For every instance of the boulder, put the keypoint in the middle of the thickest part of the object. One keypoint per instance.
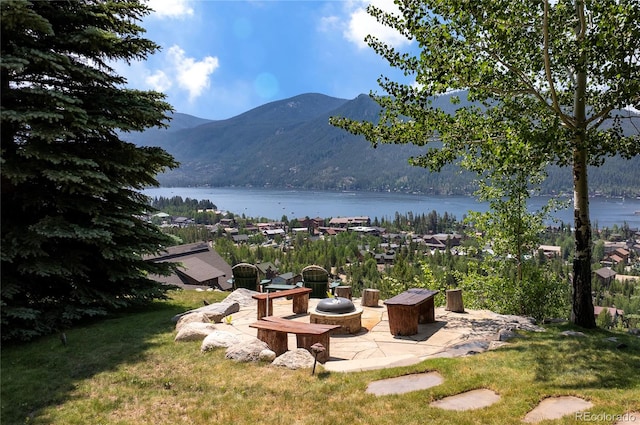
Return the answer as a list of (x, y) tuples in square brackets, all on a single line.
[(246, 351), (194, 331), (299, 358), (242, 296), (215, 312), (217, 339), (218, 311), (267, 356), (197, 317), (506, 335)]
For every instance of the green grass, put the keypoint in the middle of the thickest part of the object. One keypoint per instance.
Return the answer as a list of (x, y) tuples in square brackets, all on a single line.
[(128, 370)]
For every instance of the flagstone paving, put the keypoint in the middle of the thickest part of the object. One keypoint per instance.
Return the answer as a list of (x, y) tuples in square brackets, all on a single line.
[(557, 407), (405, 384), (475, 399), (374, 347)]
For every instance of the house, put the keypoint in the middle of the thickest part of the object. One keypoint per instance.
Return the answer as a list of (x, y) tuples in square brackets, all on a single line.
[(228, 222), (311, 223), (287, 279), (550, 251), (331, 231), (240, 238), (615, 259), (267, 270), (616, 314), (343, 222), (610, 247), (622, 253), (198, 266), (605, 276), (627, 278), (182, 221), (366, 230), (442, 240), (387, 257), (272, 233)]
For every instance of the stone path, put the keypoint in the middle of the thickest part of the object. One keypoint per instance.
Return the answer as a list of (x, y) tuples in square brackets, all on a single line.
[(550, 408), (405, 384), (557, 407), (475, 399)]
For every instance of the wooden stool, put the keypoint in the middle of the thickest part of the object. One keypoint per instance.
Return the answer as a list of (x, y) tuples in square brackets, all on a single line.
[(454, 301), (343, 291), (370, 297)]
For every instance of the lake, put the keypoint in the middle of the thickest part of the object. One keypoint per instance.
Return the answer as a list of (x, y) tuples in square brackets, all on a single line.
[(274, 203)]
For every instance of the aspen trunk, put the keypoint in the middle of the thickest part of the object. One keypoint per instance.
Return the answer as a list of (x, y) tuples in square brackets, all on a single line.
[(582, 303)]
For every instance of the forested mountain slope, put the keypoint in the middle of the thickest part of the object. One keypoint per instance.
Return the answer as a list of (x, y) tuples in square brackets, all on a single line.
[(290, 143)]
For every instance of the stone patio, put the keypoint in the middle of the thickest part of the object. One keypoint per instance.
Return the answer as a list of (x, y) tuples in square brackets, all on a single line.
[(452, 335)]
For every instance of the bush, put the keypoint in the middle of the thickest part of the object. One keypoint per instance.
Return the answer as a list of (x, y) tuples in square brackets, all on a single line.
[(540, 294)]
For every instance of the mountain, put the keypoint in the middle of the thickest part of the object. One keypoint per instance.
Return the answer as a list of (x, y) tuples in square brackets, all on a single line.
[(290, 143)]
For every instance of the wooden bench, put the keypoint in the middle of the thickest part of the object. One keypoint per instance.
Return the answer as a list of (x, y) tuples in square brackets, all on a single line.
[(274, 331), (408, 309), (300, 301)]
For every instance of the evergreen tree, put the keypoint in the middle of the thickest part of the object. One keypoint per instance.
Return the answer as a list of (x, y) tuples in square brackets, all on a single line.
[(73, 240)]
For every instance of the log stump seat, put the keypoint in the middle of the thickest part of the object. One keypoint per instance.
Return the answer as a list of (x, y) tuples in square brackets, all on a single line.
[(300, 301), (410, 308), (274, 332), (370, 297), (454, 301)]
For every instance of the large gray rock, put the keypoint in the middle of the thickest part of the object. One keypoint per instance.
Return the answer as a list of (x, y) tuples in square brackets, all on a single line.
[(197, 317), (218, 339), (299, 358), (246, 351), (267, 356), (242, 296), (194, 331), (215, 312)]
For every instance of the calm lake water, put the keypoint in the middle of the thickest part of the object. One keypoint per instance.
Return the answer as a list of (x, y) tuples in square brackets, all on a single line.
[(273, 204)]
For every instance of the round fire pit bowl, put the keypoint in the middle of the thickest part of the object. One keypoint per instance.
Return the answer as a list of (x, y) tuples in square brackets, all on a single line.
[(338, 311)]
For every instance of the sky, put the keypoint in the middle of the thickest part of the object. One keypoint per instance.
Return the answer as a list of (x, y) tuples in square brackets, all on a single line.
[(219, 58)]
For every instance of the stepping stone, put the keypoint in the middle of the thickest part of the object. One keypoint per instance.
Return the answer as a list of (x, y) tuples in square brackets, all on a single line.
[(557, 407), (405, 384), (476, 399)]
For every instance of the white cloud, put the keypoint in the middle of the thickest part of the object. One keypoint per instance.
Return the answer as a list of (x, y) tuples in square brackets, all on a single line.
[(159, 81), (190, 74), (360, 24), (329, 23), (170, 8), (178, 72)]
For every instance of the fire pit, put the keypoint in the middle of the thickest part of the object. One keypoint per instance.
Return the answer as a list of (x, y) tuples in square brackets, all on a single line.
[(338, 311)]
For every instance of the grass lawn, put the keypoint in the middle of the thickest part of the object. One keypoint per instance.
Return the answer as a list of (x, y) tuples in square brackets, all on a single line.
[(128, 370)]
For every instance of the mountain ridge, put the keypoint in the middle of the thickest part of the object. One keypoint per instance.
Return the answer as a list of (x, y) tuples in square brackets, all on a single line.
[(289, 143)]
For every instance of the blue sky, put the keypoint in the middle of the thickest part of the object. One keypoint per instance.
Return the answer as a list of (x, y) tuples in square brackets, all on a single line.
[(222, 58)]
